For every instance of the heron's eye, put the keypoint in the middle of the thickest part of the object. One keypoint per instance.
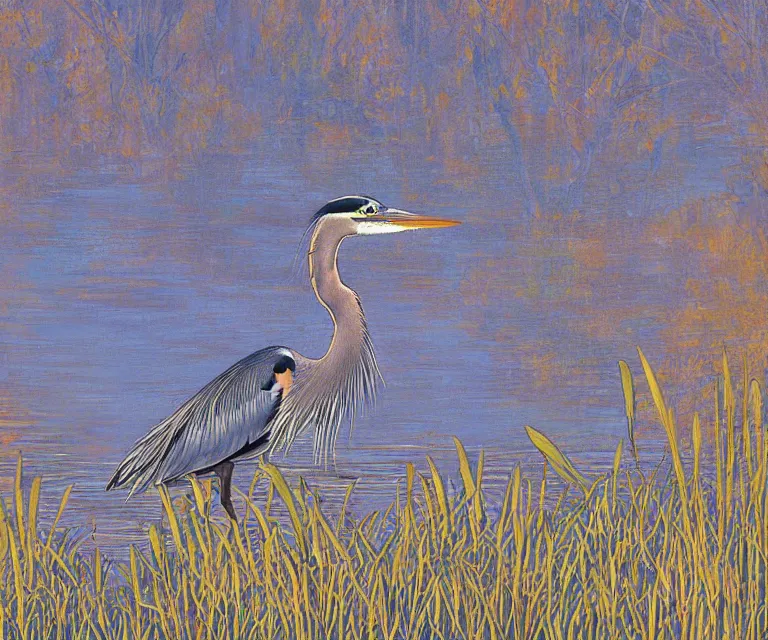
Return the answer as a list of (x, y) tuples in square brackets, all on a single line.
[(370, 210)]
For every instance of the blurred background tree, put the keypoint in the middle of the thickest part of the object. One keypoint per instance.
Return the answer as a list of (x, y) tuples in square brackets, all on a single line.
[(569, 83)]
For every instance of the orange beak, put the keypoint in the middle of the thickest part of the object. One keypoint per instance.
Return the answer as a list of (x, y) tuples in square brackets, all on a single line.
[(413, 221)]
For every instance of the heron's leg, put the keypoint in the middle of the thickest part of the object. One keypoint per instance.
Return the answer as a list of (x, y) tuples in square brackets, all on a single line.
[(224, 471)]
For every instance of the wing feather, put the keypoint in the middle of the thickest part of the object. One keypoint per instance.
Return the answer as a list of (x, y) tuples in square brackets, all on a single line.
[(227, 416)]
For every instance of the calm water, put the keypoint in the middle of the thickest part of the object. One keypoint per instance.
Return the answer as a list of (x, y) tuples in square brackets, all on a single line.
[(125, 289)]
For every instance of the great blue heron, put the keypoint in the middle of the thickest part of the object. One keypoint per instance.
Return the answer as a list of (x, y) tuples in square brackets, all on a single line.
[(262, 403)]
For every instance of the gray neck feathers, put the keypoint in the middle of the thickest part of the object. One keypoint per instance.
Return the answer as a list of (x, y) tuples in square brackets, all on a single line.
[(329, 390)]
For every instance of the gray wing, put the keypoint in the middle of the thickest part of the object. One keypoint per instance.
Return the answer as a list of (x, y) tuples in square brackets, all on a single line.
[(226, 419)]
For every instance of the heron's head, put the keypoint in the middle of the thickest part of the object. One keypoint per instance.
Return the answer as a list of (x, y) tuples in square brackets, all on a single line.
[(366, 216)]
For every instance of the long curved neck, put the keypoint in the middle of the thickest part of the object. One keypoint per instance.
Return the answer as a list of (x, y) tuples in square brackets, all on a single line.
[(345, 378), (341, 302)]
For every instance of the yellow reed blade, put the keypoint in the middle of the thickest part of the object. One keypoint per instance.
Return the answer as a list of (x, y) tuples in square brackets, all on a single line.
[(437, 483), (658, 397), (3, 534), (756, 396), (18, 496), (464, 468), (628, 386), (556, 458), (696, 437), (284, 491)]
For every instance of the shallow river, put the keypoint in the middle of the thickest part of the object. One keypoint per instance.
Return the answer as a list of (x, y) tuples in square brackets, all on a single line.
[(125, 289)]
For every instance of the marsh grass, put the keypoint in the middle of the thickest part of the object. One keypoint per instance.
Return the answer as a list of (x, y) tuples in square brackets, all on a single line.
[(678, 554)]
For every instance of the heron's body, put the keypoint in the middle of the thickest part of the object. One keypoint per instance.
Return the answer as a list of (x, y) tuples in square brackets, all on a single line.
[(264, 401)]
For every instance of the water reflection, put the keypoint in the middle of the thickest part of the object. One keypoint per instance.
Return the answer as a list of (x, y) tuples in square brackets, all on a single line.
[(124, 291)]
